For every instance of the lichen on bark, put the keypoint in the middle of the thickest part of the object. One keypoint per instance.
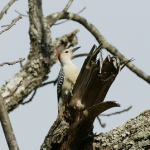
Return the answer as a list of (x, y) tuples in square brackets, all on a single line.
[(134, 134)]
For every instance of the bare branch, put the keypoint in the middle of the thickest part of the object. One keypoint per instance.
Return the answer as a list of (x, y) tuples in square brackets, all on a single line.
[(23, 103), (67, 7), (12, 24), (12, 63), (79, 55), (118, 112), (99, 37), (7, 127), (61, 22), (21, 14), (102, 124), (126, 62), (59, 15), (6, 8), (67, 19), (81, 10), (21, 64), (50, 82)]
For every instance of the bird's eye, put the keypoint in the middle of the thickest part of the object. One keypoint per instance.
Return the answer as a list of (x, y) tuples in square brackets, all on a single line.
[(66, 51)]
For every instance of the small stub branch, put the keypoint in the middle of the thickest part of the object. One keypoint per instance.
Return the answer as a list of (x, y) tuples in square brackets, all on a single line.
[(73, 128)]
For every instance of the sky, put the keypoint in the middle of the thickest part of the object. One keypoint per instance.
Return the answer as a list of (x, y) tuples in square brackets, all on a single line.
[(125, 24)]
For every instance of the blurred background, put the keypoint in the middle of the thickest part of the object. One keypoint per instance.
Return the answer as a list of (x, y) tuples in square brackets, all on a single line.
[(125, 24)]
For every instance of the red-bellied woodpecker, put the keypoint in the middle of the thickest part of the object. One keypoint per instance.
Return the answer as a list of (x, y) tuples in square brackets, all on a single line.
[(67, 75)]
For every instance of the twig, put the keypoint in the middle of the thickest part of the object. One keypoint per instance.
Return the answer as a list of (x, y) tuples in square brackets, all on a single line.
[(81, 10), (61, 14), (21, 64), (12, 63), (21, 14), (46, 83), (99, 37), (102, 124), (79, 55), (67, 19), (6, 8), (118, 112), (7, 127), (126, 62), (67, 6), (12, 24), (23, 103)]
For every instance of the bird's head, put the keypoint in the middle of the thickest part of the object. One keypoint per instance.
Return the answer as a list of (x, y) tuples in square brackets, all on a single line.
[(66, 54)]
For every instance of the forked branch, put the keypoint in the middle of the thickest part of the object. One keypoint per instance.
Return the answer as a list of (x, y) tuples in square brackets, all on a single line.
[(59, 15), (12, 63), (12, 24)]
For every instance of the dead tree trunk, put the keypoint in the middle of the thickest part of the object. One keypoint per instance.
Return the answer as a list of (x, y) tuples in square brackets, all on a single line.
[(74, 124)]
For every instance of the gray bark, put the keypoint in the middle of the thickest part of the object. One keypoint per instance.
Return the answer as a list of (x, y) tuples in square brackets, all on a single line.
[(7, 127), (134, 134)]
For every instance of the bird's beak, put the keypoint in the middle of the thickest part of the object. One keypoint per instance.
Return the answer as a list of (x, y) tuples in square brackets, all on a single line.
[(73, 50)]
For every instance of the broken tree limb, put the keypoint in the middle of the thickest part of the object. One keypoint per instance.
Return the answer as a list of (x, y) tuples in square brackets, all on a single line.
[(4, 11), (75, 120)]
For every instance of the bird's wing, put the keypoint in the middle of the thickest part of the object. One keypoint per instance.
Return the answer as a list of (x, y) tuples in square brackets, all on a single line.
[(60, 81)]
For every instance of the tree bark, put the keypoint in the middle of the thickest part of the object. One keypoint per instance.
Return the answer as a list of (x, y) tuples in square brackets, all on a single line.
[(134, 134)]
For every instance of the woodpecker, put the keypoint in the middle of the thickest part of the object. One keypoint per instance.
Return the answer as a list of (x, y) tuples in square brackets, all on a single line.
[(67, 75)]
